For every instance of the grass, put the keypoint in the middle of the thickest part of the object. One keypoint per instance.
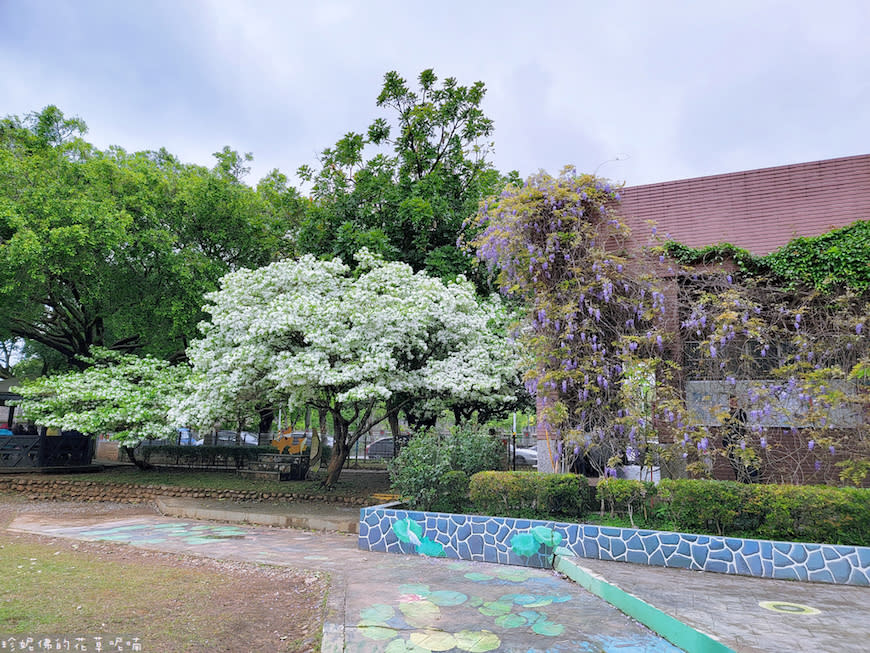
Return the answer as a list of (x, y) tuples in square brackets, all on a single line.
[(48, 591), (349, 485)]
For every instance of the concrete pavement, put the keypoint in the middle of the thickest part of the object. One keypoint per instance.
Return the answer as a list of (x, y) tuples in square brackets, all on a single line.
[(385, 602)]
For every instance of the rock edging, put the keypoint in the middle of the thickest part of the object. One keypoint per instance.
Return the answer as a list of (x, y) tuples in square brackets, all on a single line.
[(72, 490)]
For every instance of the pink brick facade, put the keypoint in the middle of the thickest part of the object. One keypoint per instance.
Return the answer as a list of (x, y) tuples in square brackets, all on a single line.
[(758, 210)]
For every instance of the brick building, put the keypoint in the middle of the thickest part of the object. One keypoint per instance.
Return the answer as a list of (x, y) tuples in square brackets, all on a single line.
[(757, 210)]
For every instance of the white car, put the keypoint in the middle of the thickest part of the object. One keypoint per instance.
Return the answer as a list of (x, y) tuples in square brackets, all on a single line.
[(524, 456)]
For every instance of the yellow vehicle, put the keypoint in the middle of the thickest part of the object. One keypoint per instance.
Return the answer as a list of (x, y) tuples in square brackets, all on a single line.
[(291, 442)]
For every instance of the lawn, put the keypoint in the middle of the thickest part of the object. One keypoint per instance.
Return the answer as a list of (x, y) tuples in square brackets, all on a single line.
[(55, 587)]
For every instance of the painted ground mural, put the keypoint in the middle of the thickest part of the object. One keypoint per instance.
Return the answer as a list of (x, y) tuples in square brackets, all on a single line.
[(413, 604)]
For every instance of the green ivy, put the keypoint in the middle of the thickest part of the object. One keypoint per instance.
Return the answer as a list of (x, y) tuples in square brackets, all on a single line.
[(834, 259)]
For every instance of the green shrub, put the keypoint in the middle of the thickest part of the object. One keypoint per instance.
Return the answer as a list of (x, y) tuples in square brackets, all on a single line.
[(204, 455), (704, 506), (452, 495), (625, 496), (420, 474), (801, 513), (527, 494), (815, 513)]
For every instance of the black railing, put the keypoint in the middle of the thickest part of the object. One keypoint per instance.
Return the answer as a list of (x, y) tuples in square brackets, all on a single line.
[(66, 450)]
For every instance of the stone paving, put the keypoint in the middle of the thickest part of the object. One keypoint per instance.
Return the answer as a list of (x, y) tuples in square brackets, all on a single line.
[(751, 614), (385, 602), (388, 602)]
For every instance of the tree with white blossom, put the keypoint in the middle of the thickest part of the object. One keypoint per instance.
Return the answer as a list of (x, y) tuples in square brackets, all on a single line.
[(124, 396), (314, 333)]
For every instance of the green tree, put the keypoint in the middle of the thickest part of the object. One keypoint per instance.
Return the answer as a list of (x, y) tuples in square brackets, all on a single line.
[(410, 202), (125, 396), (106, 248)]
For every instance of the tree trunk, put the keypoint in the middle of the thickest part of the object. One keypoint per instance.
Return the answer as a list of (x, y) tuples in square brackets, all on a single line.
[(340, 450), (322, 416), (393, 419), (141, 464)]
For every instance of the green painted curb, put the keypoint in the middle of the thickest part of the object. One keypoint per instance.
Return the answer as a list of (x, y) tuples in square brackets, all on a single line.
[(673, 630)]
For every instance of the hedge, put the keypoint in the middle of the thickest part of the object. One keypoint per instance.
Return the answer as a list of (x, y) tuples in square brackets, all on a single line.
[(799, 513), (528, 494), (236, 456), (626, 496), (791, 513)]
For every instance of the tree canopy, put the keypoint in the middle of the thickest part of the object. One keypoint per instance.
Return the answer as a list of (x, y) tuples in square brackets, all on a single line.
[(314, 333), (410, 203), (124, 396), (111, 249)]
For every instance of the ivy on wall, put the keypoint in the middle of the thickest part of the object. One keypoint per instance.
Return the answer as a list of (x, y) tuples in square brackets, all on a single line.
[(835, 259)]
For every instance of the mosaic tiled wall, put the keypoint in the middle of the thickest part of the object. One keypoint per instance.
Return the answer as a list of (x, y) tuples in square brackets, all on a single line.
[(532, 543)]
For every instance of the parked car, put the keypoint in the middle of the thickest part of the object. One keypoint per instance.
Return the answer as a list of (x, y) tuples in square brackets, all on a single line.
[(381, 449), (228, 438), (524, 456)]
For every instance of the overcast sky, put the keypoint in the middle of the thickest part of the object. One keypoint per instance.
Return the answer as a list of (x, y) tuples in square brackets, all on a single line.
[(670, 89)]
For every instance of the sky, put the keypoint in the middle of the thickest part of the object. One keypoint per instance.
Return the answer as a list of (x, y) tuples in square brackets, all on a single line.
[(636, 91)]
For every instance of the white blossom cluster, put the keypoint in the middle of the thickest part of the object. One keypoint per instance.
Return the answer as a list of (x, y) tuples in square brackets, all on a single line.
[(121, 395), (314, 332)]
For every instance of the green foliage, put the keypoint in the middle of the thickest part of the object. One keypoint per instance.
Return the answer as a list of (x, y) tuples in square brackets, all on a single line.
[(837, 258), (432, 470), (528, 494), (107, 248), (703, 506), (826, 262), (718, 253), (409, 203), (452, 492), (801, 513), (854, 472), (204, 455), (625, 496)]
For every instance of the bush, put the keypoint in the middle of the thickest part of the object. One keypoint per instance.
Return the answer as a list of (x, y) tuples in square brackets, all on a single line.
[(625, 496), (703, 506), (452, 493), (815, 513), (420, 474), (800, 513), (204, 455), (528, 494)]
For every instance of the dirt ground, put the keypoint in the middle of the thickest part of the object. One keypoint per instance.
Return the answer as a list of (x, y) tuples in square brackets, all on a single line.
[(247, 608)]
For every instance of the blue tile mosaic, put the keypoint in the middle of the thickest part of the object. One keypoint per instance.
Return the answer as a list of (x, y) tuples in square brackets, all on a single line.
[(476, 537)]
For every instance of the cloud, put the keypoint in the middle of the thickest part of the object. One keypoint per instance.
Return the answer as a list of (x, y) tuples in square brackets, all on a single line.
[(683, 89)]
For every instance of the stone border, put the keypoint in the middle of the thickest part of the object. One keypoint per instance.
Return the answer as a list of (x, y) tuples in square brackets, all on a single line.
[(72, 490), (495, 539)]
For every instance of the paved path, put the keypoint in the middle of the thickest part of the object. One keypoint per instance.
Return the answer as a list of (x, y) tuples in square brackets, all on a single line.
[(386, 602), (751, 614)]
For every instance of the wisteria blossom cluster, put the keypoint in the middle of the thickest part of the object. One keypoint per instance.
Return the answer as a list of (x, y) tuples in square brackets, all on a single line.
[(124, 396), (792, 359), (597, 315), (315, 333), (617, 341)]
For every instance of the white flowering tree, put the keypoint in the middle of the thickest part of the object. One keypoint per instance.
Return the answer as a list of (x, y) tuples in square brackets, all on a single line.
[(314, 333), (124, 396)]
